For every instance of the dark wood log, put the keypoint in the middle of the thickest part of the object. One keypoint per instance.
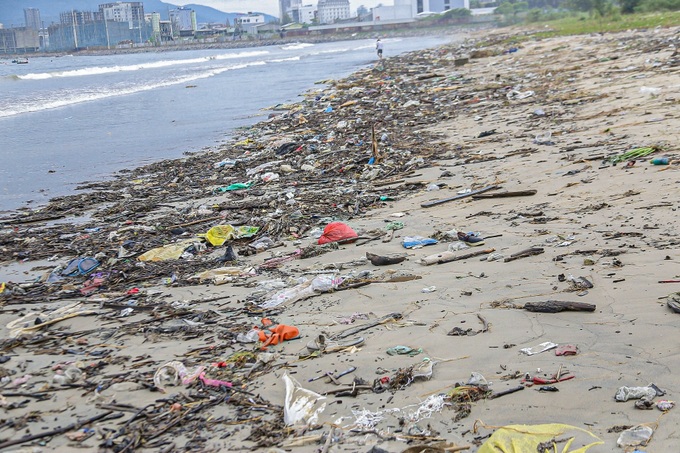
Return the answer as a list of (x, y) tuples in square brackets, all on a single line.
[(556, 306), (524, 253), (518, 193)]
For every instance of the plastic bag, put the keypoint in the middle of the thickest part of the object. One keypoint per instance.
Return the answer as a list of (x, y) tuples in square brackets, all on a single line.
[(301, 405), (220, 234), (336, 231), (637, 435), (539, 348), (416, 242), (631, 393), (526, 438), (175, 373)]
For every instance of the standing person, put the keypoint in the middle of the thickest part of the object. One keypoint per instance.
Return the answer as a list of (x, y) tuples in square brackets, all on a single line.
[(379, 47)]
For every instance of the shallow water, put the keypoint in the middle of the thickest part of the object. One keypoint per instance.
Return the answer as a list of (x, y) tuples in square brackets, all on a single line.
[(66, 120)]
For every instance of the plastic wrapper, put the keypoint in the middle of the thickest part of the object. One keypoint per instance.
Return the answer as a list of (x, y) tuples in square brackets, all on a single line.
[(175, 373), (320, 284), (637, 435), (632, 393), (301, 406), (539, 348)]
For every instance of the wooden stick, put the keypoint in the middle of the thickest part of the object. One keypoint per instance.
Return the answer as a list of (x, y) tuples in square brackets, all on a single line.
[(506, 392), (447, 257), (348, 389), (54, 432), (429, 204), (519, 193), (524, 253)]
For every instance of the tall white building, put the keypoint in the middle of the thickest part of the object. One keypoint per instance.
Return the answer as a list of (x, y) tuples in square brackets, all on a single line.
[(130, 12), (406, 9), (329, 11), (183, 20)]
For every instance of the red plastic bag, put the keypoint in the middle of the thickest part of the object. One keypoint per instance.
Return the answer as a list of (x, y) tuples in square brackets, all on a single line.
[(337, 231)]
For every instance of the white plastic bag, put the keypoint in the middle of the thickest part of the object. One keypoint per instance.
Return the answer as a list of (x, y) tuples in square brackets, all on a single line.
[(301, 405)]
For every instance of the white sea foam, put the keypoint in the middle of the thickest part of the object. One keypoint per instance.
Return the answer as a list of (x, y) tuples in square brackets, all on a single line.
[(63, 99), (297, 46), (98, 70), (281, 60)]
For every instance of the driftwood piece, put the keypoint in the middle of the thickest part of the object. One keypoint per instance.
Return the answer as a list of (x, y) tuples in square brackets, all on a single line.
[(518, 193), (382, 260), (429, 204), (524, 253), (556, 306), (447, 257), (506, 392)]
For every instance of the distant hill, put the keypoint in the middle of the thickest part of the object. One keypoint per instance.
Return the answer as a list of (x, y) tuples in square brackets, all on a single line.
[(12, 11)]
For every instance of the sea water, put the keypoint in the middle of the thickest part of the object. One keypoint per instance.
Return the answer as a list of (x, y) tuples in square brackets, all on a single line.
[(70, 119)]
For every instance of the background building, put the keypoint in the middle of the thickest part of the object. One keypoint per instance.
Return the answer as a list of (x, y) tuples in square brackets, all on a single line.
[(248, 23), (329, 11), (19, 40), (406, 9), (284, 9), (32, 17), (183, 21), (130, 12)]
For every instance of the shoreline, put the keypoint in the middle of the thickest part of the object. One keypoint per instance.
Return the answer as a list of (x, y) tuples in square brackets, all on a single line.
[(243, 44), (544, 121)]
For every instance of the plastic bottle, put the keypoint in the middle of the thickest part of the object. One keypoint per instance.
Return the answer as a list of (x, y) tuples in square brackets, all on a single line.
[(660, 161)]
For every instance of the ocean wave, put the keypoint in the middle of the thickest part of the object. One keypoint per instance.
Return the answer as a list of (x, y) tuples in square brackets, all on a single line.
[(61, 99), (297, 46), (98, 70), (281, 60)]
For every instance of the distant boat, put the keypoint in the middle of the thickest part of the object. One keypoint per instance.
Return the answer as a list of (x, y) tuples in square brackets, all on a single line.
[(20, 61)]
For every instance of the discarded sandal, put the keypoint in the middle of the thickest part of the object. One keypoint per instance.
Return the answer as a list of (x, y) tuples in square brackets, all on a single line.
[(80, 266), (324, 344), (673, 302), (470, 239)]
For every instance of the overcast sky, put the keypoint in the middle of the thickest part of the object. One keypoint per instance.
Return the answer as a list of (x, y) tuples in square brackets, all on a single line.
[(268, 6)]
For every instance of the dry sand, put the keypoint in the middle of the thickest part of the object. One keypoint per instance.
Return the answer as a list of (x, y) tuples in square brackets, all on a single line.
[(617, 226)]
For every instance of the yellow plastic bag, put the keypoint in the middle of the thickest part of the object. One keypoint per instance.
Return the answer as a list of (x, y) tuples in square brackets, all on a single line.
[(167, 252), (526, 438), (220, 234)]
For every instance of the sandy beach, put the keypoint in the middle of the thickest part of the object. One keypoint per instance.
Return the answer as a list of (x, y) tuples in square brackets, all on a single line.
[(125, 319)]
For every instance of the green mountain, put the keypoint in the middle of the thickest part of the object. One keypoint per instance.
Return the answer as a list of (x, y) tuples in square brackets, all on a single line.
[(12, 11)]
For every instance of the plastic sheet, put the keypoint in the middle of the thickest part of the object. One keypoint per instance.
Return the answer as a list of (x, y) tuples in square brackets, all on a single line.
[(167, 252), (526, 438)]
